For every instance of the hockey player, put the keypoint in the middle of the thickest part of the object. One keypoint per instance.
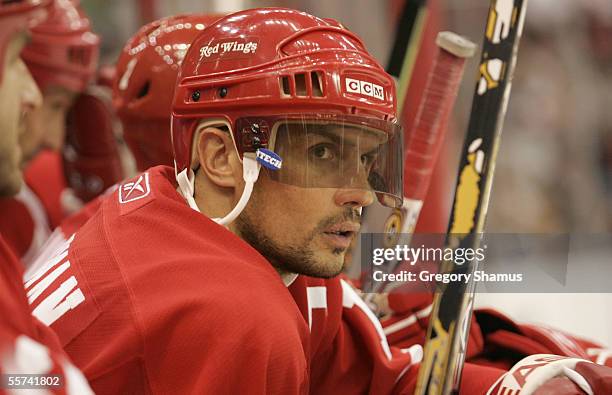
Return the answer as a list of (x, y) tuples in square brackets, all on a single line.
[(145, 77), (274, 338), (26, 346), (62, 57), (103, 286), (144, 74)]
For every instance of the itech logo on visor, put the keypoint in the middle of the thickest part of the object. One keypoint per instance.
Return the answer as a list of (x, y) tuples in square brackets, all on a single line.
[(269, 159), (365, 88)]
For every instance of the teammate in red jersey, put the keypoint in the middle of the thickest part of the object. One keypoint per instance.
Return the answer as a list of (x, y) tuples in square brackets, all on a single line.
[(347, 350), (26, 346), (62, 56)]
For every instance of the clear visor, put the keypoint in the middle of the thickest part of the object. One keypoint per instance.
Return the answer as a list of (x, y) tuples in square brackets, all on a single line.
[(333, 151)]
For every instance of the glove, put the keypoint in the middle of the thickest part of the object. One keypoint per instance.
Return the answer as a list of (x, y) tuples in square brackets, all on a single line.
[(91, 157), (545, 374), (506, 342)]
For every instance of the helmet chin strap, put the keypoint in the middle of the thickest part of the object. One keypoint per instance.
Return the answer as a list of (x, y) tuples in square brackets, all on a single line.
[(250, 173)]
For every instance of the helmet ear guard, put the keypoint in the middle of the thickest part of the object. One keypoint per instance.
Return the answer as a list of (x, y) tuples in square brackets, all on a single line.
[(250, 173)]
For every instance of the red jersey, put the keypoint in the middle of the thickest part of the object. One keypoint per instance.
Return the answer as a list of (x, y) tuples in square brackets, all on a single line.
[(152, 297), (347, 352), (27, 346)]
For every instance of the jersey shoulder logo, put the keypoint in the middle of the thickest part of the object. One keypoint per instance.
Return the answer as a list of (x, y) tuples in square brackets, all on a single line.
[(135, 190)]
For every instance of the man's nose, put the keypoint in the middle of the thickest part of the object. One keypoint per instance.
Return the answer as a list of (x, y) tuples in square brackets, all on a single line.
[(354, 198)]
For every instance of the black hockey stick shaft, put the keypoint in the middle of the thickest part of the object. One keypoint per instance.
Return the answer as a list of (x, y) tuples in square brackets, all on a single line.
[(407, 36), (440, 370)]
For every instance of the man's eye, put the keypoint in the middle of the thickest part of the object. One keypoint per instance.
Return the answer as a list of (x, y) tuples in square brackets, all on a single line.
[(323, 151)]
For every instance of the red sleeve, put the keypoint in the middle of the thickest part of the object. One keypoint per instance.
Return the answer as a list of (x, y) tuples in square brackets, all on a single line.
[(409, 318), (349, 350), (26, 345)]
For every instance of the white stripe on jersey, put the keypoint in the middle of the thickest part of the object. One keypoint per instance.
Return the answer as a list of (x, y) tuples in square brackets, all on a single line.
[(350, 299)]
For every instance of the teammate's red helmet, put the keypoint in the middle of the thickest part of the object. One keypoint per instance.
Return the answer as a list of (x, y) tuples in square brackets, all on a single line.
[(144, 81), (279, 79), (18, 15), (63, 50)]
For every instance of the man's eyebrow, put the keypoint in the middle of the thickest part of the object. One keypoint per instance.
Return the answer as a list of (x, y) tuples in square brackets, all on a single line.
[(326, 133)]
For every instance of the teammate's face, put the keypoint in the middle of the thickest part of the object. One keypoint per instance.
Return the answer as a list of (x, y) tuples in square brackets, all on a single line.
[(302, 230), (19, 95), (46, 125)]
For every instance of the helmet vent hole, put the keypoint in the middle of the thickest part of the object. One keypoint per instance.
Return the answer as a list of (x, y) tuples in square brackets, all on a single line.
[(144, 90), (317, 89), (300, 85), (285, 86)]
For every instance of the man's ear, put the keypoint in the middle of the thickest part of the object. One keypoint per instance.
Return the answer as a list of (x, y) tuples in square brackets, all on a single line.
[(218, 157)]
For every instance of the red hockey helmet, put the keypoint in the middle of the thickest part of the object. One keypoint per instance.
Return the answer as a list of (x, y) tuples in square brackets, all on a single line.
[(18, 15), (63, 50), (300, 95), (144, 81)]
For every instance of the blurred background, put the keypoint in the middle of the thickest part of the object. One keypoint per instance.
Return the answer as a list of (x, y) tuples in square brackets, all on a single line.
[(554, 170)]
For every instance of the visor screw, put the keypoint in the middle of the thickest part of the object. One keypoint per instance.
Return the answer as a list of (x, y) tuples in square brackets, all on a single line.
[(255, 128), (222, 92), (256, 142), (195, 96)]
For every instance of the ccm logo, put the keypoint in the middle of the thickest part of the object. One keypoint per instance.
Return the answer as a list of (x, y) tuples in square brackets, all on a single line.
[(365, 88)]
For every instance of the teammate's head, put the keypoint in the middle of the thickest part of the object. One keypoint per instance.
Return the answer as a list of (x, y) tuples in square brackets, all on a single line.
[(18, 91), (145, 78), (62, 57), (268, 84)]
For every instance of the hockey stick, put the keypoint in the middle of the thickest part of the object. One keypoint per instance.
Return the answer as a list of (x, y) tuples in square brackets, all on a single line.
[(425, 140), (440, 370), (408, 42), (406, 46)]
